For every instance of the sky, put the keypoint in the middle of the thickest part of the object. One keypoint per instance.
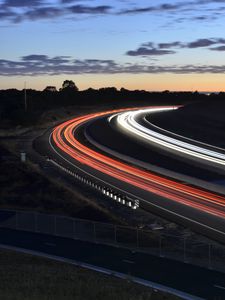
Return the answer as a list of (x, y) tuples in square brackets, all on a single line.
[(154, 45)]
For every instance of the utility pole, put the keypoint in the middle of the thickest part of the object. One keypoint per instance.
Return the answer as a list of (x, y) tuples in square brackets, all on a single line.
[(25, 96)]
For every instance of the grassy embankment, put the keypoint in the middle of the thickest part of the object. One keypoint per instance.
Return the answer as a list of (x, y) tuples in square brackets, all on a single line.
[(26, 277), (24, 186)]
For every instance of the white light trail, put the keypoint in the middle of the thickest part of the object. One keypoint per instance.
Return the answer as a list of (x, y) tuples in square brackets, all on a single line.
[(128, 122)]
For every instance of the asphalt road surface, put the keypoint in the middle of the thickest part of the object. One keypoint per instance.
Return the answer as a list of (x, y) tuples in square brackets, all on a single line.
[(203, 283), (198, 209)]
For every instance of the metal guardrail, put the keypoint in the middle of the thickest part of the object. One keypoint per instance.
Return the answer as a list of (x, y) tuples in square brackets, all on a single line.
[(98, 186), (185, 249)]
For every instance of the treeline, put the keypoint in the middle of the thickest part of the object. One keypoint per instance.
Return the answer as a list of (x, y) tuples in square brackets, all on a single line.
[(20, 107)]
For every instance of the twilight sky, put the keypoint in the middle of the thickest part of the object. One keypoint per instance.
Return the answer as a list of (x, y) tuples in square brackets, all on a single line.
[(136, 44)]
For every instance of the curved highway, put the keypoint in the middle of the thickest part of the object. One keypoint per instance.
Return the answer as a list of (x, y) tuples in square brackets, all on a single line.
[(129, 121), (193, 206)]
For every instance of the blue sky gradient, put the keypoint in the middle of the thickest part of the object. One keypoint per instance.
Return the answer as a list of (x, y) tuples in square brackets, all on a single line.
[(152, 45)]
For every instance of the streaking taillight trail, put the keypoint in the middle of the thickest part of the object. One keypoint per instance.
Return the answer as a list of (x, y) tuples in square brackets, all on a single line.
[(65, 138)]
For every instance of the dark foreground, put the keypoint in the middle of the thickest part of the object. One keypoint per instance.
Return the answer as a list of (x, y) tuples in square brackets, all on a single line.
[(207, 284), (27, 277)]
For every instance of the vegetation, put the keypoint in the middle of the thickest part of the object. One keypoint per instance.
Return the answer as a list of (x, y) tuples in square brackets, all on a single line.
[(22, 186), (12, 103), (26, 277), (69, 85)]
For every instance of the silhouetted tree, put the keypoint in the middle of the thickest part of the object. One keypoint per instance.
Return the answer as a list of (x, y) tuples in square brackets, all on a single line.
[(50, 88), (69, 85)]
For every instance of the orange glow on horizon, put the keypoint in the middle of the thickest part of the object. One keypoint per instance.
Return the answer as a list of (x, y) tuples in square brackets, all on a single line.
[(148, 82)]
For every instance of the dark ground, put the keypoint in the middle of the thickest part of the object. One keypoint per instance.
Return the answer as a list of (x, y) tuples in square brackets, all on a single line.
[(193, 280), (37, 278), (23, 186)]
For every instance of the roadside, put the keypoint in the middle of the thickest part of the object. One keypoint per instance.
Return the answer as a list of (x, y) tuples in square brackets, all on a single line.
[(40, 278), (25, 186), (36, 185)]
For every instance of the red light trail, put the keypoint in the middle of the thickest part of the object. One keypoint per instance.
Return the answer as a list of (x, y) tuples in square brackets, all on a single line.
[(64, 137)]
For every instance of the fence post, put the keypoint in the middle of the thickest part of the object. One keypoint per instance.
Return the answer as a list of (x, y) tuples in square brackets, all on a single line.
[(94, 228), (209, 257), (137, 239), (74, 228), (35, 222), (17, 220), (55, 225), (115, 237), (185, 257), (160, 246)]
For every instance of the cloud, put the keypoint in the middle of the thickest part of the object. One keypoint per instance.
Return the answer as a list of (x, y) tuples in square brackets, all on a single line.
[(69, 1), (151, 49), (219, 48), (143, 51), (211, 1), (50, 12), (21, 3), (45, 59), (201, 43), (169, 45), (180, 11), (17, 11), (41, 13), (39, 64), (35, 57), (81, 9), (149, 9), (184, 6)]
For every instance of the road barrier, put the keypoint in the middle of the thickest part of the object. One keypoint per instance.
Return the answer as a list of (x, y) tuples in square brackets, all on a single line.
[(187, 249), (91, 182)]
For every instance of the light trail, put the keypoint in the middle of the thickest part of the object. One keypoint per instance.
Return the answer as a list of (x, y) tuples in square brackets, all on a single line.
[(128, 121), (64, 137)]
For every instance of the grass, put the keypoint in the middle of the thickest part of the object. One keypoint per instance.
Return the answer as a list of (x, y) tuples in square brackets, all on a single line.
[(28, 277), (23, 186)]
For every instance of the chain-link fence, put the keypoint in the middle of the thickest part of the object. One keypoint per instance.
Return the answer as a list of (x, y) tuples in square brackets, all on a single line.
[(186, 249)]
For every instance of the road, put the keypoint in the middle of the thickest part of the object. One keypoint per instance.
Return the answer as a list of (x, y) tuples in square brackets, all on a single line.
[(203, 283), (202, 210), (133, 123)]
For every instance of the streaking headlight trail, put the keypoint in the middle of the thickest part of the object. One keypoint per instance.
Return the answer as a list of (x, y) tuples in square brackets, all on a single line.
[(65, 139), (128, 121)]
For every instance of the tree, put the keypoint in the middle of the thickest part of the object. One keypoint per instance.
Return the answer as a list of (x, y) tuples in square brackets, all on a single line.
[(50, 89), (69, 85)]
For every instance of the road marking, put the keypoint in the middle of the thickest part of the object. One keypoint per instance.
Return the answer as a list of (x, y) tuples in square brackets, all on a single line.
[(137, 197), (219, 287), (128, 121), (128, 261)]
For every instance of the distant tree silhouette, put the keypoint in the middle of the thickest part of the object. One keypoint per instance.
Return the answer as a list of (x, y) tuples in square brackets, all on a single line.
[(50, 88), (39, 102), (109, 90), (123, 90), (69, 85)]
